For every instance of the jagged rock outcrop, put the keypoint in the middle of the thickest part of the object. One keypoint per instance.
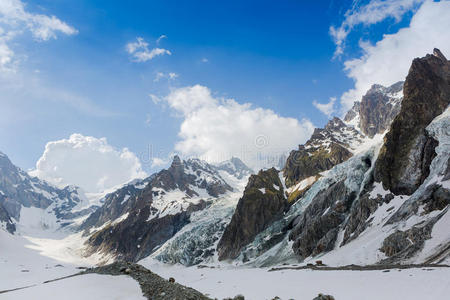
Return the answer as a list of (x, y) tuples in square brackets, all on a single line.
[(263, 202), (353, 113), (366, 205), (138, 218), (378, 108), (316, 229), (326, 148), (408, 150)]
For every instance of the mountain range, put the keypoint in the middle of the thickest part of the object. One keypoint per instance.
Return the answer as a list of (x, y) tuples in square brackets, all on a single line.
[(371, 188)]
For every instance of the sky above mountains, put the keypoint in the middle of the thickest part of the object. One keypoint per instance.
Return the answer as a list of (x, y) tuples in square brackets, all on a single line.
[(120, 87)]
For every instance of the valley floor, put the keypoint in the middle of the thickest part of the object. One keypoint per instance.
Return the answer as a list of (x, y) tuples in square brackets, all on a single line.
[(26, 263), (258, 284)]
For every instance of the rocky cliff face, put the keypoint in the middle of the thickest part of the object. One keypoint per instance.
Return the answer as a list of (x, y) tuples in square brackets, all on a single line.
[(408, 149), (376, 110), (138, 218), (326, 148), (263, 202)]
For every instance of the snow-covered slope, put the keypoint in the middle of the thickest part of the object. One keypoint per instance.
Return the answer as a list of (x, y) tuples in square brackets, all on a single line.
[(35, 206)]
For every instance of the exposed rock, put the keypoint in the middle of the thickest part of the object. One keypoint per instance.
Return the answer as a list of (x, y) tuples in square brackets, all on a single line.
[(324, 297), (404, 159), (435, 197), (138, 235), (402, 245), (263, 202), (326, 148), (138, 218), (378, 108), (317, 227), (152, 285), (353, 113), (5, 219), (438, 200)]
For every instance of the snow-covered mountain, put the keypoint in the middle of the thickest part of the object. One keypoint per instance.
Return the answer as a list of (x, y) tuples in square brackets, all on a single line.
[(373, 188), (138, 218), (387, 202), (235, 167), (28, 203)]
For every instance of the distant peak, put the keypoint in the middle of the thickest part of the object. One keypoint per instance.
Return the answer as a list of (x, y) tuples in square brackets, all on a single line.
[(176, 161), (334, 123), (438, 54)]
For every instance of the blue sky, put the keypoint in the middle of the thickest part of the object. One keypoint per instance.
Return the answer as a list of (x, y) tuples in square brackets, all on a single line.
[(276, 55)]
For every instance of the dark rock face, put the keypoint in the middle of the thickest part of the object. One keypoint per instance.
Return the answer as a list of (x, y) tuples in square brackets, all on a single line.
[(401, 245), (135, 237), (317, 227), (6, 219), (358, 219), (134, 225), (353, 112), (404, 159), (116, 204), (263, 202), (378, 108), (326, 148), (324, 297)]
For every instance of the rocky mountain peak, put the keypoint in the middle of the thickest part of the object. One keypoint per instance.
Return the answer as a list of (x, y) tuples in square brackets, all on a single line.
[(176, 161), (326, 148), (335, 124), (378, 108), (408, 149), (235, 167), (438, 53), (262, 203)]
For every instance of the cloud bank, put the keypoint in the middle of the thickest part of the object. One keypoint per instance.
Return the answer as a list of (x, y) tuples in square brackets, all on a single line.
[(216, 129), (388, 61), (88, 162)]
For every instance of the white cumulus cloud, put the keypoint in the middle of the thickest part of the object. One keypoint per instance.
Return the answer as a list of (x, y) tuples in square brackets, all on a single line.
[(388, 60), (215, 129), (326, 108), (88, 162), (15, 19), (140, 51)]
